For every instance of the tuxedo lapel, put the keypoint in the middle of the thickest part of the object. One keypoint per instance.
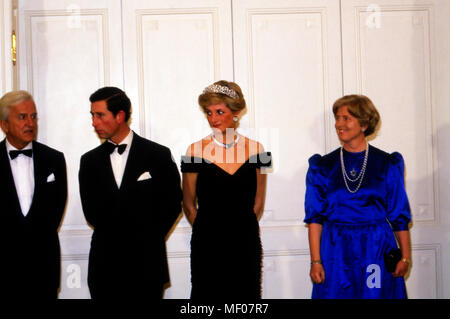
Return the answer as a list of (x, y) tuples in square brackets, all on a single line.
[(106, 167), (7, 179), (40, 177)]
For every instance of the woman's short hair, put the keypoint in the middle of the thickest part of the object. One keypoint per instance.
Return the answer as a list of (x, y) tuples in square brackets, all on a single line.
[(362, 108), (223, 92), (10, 99)]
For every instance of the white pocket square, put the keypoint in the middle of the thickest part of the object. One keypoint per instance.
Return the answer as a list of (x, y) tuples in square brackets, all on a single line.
[(144, 176), (51, 178)]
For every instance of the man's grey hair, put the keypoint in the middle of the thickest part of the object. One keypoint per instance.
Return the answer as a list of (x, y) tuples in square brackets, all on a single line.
[(10, 99)]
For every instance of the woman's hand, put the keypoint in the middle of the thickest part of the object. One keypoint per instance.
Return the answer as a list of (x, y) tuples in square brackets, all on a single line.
[(190, 196), (317, 273), (404, 241), (401, 269)]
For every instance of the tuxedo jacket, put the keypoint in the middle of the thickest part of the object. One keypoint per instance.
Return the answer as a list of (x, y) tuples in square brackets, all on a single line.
[(130, 223), (29, 244)]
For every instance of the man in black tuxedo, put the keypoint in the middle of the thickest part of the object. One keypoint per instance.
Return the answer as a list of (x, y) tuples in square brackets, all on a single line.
[(33, 194), (131, 196)]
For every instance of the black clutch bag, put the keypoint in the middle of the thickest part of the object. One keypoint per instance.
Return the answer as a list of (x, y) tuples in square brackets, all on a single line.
[(391, 258)]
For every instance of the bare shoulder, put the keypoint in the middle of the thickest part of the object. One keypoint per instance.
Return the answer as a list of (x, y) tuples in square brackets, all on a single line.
[(196, 148), (253, 147)]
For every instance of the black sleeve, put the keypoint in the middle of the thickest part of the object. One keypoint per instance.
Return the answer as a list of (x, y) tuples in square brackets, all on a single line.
[(169, 192), (87, 202), (61, 188)]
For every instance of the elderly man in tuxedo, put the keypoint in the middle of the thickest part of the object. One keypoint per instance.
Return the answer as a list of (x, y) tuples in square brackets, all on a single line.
[(33, 193), (131, 196)]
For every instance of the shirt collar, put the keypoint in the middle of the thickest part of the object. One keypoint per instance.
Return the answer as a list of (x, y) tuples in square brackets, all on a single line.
[(127, 140), (10, 147)]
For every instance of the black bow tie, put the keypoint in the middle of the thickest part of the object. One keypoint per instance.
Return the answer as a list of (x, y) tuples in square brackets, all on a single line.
[(14, 154), (120, 148)]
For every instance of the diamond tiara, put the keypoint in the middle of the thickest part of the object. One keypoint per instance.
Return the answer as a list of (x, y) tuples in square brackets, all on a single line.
[(214, 88)]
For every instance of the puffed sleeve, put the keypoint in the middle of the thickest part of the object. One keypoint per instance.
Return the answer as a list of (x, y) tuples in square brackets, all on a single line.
[(191, 164), (399, 212), (315, 197)]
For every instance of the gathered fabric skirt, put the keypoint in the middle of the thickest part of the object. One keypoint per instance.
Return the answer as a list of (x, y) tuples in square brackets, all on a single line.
[(226, 258), (353, 259)]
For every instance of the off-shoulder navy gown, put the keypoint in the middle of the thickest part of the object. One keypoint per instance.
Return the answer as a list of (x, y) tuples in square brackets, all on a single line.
[(225, 244), (358, 228)]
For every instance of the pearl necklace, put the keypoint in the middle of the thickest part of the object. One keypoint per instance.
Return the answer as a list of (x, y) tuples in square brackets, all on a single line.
[(361, 173), (227, 146)]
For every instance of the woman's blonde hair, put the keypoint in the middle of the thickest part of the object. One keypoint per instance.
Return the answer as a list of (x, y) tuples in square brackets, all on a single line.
[(223, 92)]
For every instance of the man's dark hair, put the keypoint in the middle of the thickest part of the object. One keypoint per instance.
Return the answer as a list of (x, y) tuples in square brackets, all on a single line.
[(116, 100)]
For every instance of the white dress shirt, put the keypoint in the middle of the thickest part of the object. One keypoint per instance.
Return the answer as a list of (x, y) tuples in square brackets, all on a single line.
[(119, 161), (22, 168)]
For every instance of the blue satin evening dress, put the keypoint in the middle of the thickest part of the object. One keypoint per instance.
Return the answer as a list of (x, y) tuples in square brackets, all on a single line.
[(358, 228)]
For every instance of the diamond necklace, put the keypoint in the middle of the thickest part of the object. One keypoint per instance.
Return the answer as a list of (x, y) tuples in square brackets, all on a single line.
[(361, 173), (227, 146)]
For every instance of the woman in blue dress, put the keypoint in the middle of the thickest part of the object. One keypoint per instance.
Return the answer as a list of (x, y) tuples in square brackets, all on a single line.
[(357, 210)]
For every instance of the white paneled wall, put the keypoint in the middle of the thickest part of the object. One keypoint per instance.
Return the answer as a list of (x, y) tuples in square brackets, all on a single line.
[(293, 59), (408, 123), (390, 54), (284, 62), (68, 50), (172, 50)]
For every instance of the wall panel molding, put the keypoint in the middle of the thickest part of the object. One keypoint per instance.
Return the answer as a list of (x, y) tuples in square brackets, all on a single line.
[(213, 13), (250, 15), (30, 15), (426, 258), (358, 17), (425, 210), (285, 55)]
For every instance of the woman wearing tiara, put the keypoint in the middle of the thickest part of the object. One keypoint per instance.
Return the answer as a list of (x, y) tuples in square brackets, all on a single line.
[(223, 198), (356, 207)]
